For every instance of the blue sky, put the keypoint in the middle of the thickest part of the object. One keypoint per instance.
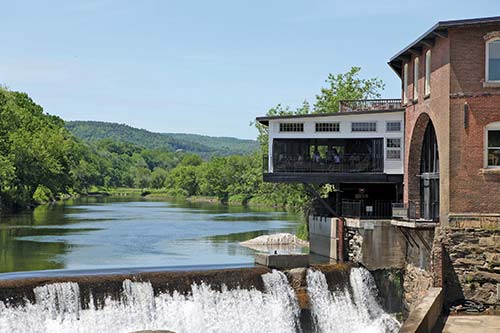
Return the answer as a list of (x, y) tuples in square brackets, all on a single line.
[(207, 67)]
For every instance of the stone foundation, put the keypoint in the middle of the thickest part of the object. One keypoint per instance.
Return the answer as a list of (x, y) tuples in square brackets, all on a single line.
[(416, 283), (471, 262)]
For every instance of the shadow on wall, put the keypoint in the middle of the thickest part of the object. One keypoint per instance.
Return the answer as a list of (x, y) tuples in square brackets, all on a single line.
[(452, 288)]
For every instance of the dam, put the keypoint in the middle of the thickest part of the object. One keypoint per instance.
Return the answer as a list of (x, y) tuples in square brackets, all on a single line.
[(338, 298)]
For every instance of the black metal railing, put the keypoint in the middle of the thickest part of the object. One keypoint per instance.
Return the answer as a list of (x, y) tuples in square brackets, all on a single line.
[(404, 211), (369, 209), (410, 212), (370, 105), (347, 163)]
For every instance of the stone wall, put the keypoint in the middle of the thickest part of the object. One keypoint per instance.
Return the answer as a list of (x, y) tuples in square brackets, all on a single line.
[(416, 283), (471, 263)]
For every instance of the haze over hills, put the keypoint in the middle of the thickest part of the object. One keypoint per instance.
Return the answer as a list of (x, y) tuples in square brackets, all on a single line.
[(93, 131)]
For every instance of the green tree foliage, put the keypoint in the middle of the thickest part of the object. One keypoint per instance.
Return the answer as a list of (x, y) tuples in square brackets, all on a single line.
[(344, 87), (36, 149), (40, 158)]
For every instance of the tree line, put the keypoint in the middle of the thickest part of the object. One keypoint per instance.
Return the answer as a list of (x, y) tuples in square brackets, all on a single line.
[(40, 159)]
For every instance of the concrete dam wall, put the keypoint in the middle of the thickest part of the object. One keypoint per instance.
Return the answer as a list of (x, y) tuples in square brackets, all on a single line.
[(320, 298)]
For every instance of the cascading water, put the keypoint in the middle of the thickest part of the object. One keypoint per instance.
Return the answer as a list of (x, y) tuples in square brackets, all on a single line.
[(57, 309), (59, 300), (339, 311)]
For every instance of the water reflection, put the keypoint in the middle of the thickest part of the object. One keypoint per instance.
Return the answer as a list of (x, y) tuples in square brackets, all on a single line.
[(96, 233)]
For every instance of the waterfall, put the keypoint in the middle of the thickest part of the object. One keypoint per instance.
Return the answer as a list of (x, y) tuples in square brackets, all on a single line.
[(57, 309), (340, 311), (205, 309), (59, 299)]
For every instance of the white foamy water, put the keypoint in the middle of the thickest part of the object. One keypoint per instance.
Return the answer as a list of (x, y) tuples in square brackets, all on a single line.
[(57, 309), (341, 311)]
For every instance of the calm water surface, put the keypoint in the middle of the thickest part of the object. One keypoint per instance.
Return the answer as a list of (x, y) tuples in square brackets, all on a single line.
[(101, 233)]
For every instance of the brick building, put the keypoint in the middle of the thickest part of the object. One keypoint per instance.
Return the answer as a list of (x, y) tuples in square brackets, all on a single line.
[(451, 91)]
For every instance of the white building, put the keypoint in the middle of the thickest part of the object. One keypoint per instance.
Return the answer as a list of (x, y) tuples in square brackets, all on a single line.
[(360, 149)]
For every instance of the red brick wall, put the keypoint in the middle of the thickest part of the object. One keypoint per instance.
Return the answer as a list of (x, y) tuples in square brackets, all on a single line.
[(434, 108), (458, 72), (471, 189), (467, 58)]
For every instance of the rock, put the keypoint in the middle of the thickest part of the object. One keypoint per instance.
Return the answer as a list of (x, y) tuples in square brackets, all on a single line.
[(483, 277), (489, 241), (276, 239), (468, 262), (277, 243)]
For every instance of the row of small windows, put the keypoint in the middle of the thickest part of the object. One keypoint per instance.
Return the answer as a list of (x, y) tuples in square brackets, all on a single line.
[(416, 76), (391, 126), (327, 127), (492, 70), (291, 127), (364, 127)]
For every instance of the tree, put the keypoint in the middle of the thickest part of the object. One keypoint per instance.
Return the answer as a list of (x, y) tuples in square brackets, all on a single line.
[(158, 177), (344, 87)]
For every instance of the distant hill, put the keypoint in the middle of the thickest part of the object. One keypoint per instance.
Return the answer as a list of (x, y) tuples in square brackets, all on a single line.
[(92, 131)]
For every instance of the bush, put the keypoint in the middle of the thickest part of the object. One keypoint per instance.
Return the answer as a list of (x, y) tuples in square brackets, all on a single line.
[(177, 193), (42, 195), (303, 231)]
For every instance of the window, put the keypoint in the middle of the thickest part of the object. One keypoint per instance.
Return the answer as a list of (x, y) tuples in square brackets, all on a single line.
[(364, 127), (327, 127), (493, 60), (393, 126), (493, 146), (427, 73), (415, 78), (291, 127), (405, 84), (393, 149)]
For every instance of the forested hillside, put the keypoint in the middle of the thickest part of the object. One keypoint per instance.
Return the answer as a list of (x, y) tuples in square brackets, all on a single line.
[(206, 146)]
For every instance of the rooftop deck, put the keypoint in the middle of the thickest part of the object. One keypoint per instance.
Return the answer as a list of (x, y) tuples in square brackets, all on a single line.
[(355, 106), (363, 105)]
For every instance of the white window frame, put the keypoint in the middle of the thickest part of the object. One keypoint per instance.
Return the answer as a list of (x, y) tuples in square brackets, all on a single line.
[(428, 61), (490, 127), (405, 83), (387, 149), (416, 74), (364, 122), (293, 127), (334, 124), (487, 61), (393, 121)]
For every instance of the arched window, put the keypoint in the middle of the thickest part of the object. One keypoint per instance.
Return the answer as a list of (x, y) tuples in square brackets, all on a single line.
[(493, 60), (492, 145)]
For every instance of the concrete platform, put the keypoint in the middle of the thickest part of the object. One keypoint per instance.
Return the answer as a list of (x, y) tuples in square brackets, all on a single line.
[(470, 324), (415, 224), (282, 261)]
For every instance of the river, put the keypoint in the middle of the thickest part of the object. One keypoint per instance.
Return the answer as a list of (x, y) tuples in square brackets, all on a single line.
[(123, 232)]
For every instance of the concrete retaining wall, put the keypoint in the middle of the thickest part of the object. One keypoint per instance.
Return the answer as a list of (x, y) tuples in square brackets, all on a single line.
[(323, 236), (425, 315), (375, 244), (17, 291)]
